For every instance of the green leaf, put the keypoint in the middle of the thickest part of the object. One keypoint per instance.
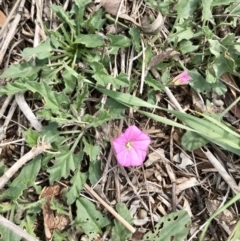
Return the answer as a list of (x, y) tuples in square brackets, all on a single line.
[(183, 31), (90, 40), (82, 95), (91, 150), (69, 82), (7, 234), (186, 46), (236, 234), (77, 181), (95, 21), (119, 232), (31, 137), (89, 218), (223, 64), (114, 108), (24, 70), (95, 121), (95, 172), (186, 8), (156, 85), (12, 88), (13, 192), (63, 15), (198, 82), (164, 229), (207, 11), (42, 51), (81, 4), (60, 236), (57, 207), (53, 99), (103, 78), (210, 77), (221, 2), (29, 172), (210, 130), (25, 179), (30, 224), (215, 47), (136, 39), (192, 141), (64, 163), (118, 41)]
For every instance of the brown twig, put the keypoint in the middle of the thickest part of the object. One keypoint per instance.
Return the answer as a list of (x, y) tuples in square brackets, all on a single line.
[(36, 150), (110, 209)]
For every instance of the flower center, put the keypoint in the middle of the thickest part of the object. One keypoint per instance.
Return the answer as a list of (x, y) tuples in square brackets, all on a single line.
[(128, 145)]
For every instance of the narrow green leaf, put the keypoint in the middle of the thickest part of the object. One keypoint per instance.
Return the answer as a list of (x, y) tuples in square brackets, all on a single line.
[(209, 130)]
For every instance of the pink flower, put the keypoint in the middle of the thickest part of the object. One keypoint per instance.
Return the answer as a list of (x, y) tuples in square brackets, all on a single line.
[(181, 79), (131, 147)]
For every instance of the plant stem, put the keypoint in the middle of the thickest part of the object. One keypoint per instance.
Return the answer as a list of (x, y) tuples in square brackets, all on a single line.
[(229, 107)]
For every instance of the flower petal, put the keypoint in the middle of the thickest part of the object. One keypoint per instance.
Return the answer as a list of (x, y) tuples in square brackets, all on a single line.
[(132, 133), (141, 145), (129, 158)]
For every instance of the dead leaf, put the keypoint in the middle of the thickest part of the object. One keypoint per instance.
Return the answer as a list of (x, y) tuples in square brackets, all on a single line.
[(190, 182), (227, 77), (183, 159), (52, 221), (226, 219), (162, 56), (112, 6), (155, 26), (155, 156), (3, 18)]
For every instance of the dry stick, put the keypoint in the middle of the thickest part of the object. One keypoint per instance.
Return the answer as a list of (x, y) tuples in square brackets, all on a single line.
[(26, 110), (36, 150), (110, 209), (9, 18), (221, 170), (5, 105), (7, 120), (16, 229), (11, 32)]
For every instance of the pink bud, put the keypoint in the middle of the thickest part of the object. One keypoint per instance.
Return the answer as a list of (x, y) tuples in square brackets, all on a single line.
[(131, 147), (181, 79)]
